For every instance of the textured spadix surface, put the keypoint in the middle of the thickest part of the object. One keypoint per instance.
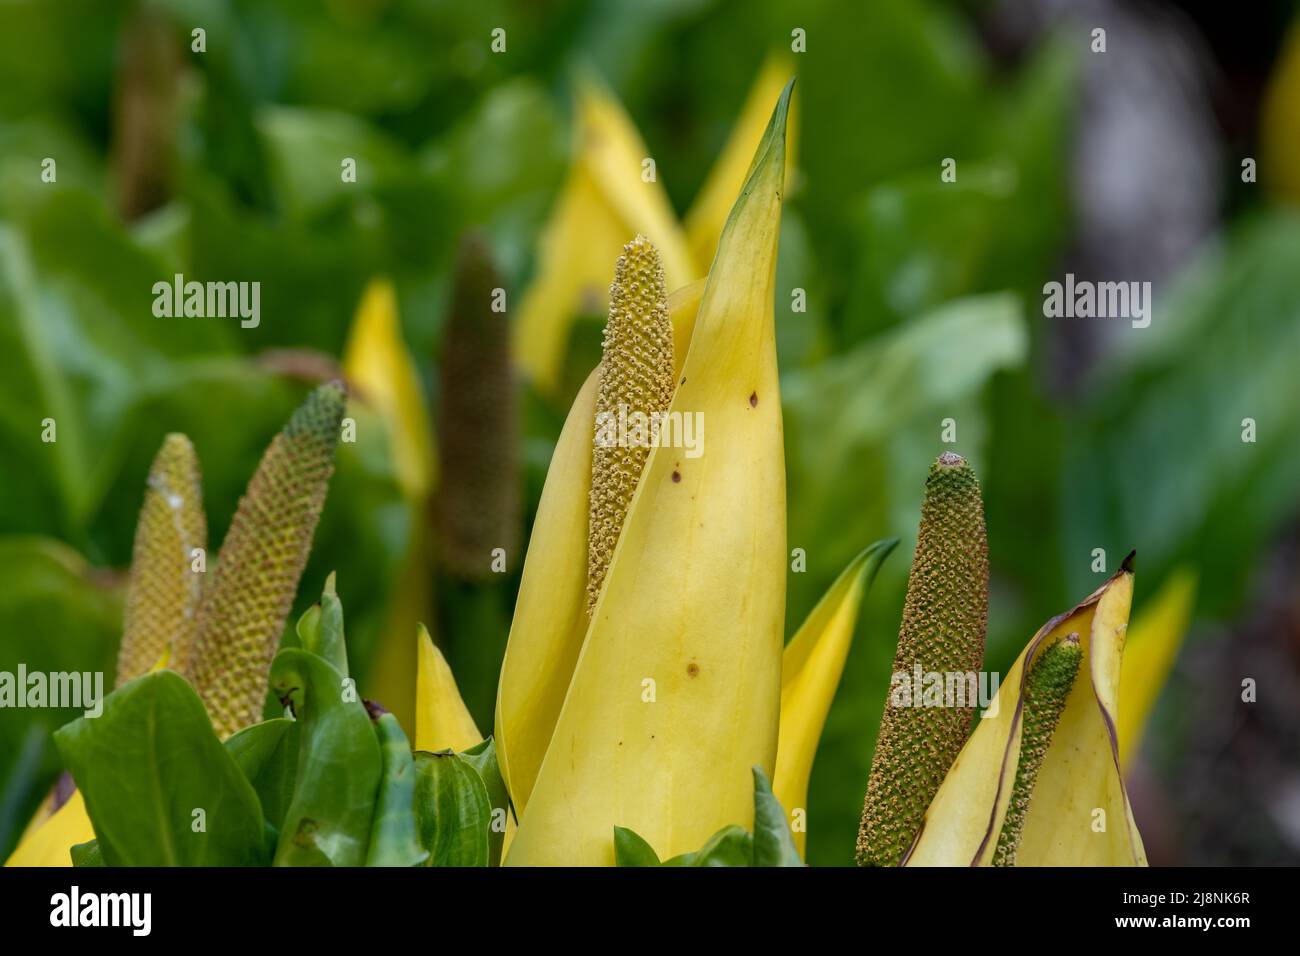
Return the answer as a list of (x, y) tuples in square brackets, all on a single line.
[(944, 619), (1051, 677), (477, 507), (164, 590), (676, 691), (252, 587), (636, 379), (551, 616)]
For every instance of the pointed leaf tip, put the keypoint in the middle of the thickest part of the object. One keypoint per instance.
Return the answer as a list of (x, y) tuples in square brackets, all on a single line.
[(877, 551), (774, 137)]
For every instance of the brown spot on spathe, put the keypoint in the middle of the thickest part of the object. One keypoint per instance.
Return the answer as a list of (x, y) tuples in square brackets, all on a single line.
[(693, 669), (753, 399), (677, 476)]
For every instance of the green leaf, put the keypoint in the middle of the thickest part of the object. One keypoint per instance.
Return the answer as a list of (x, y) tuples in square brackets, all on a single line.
[(339, 765), (1174, 396), (773, 842), (771, 845), (851, 142), (875, 411), (76, 317), (87, 854), (996, 225), (483, 758), (452, 810), (730, 846), (308, 629), (501, 165), (631, 850), (394, 840), (56, 615), (320, 629), (147, 765), (267, 754), (305, 147)]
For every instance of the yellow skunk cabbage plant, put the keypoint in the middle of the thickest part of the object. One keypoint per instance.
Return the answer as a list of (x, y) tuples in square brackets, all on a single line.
[(649, 711), (612, 192), (605, 198), (179, 769), (219, 627), (943, 633), (687, 630), (1038, 782)]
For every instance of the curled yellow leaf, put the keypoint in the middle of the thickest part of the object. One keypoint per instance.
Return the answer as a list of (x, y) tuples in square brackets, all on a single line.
[(675, 695), (810, 674), (377, 362), (50, 842), (442, 721), (1079, 813), (609, 197)]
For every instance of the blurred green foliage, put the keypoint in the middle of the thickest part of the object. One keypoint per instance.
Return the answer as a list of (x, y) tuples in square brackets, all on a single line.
[(923, 304)]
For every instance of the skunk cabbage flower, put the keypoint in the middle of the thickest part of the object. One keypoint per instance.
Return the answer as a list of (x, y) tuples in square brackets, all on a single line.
[(708, 213), (1071, 809), (551, 610), (251, 590), (686, 633), (944, 619), (606, 198), (442, 721)]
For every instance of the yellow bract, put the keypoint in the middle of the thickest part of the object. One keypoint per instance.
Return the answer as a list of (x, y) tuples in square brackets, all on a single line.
[(550, 618), (378, 364), (675, 695), (383, 374), (442, 721), (1079, 813), (608, 197), (49, 841), (810, 674)]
